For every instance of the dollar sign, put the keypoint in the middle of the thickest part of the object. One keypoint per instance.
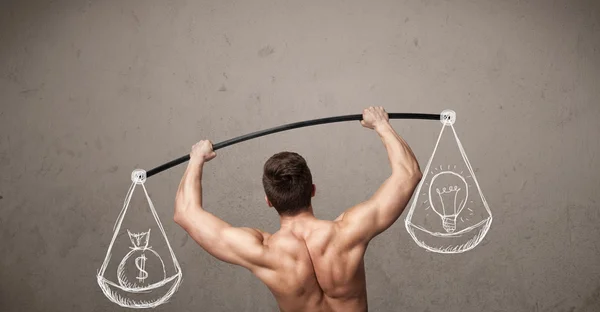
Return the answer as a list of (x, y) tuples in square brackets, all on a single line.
[(140, 263)]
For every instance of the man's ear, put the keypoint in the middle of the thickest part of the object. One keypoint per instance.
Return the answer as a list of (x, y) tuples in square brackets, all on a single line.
[(314, 190), (268, 202)]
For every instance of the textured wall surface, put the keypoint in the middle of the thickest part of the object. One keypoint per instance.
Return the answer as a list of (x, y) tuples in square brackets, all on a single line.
[(90, 90)]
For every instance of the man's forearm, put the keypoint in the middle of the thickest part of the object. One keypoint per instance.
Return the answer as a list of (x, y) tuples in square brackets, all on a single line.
[(189, 194), (400, 155)]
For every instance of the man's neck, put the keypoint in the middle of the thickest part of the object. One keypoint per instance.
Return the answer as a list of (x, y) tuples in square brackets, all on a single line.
[(300, 218)]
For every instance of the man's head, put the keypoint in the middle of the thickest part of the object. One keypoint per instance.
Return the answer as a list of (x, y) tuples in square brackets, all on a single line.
[(288, 183)]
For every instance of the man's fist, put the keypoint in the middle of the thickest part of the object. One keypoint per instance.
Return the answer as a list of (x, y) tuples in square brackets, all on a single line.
[(202, 152), (373, 117)]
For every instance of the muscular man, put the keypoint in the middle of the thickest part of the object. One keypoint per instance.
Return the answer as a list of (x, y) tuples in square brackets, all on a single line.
[(309, 264)]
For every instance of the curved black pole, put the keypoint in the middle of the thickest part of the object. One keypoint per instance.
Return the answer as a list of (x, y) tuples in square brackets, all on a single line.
[(295, 125)]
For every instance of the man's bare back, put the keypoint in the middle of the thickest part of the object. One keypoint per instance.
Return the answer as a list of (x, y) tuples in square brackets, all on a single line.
[(312, 272), (309, 264)]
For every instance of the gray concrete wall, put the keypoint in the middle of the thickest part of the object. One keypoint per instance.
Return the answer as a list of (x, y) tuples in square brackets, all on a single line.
[(90, 90)]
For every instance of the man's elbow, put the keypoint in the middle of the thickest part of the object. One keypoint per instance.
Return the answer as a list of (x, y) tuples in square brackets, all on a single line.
[(178, 218), (417, 175), (411, 174), (414, 178), (413, 171), (180, 213)]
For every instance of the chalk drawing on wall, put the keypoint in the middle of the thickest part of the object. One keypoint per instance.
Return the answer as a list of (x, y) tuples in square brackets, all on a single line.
[(140, 258), (448, 212), (143, 279)]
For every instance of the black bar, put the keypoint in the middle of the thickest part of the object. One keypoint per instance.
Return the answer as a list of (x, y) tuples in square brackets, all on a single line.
[(295, 125)]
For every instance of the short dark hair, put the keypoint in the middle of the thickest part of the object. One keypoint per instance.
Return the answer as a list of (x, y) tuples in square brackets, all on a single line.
[(288, 183)]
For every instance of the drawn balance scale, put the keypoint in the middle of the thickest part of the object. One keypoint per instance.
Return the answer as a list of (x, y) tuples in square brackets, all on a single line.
[(137, 286), (448, 214)]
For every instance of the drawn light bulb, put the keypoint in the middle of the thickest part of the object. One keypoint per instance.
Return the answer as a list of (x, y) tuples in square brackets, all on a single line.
[(448, 193)]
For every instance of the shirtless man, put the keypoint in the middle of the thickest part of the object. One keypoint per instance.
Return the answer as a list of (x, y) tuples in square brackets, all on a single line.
[(309, 264)]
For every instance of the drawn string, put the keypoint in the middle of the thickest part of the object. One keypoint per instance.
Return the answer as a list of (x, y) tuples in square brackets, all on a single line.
[(117, 226)]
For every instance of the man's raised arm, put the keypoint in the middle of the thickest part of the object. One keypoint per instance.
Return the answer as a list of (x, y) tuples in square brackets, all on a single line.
[(235, 245), (364, 221)]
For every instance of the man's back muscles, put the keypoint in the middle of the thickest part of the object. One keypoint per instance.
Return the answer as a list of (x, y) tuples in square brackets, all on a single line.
[(313, 273)]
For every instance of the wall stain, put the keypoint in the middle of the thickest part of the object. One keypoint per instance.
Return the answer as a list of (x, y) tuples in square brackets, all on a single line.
[(40, 244), (27, 91), (136, 18), (184, 240), (98, 144), (266, 51), (593, 300)]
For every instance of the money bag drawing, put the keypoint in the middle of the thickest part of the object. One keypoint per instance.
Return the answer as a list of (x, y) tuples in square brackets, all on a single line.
[(134, 274), (448, 213), (140, 257)]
